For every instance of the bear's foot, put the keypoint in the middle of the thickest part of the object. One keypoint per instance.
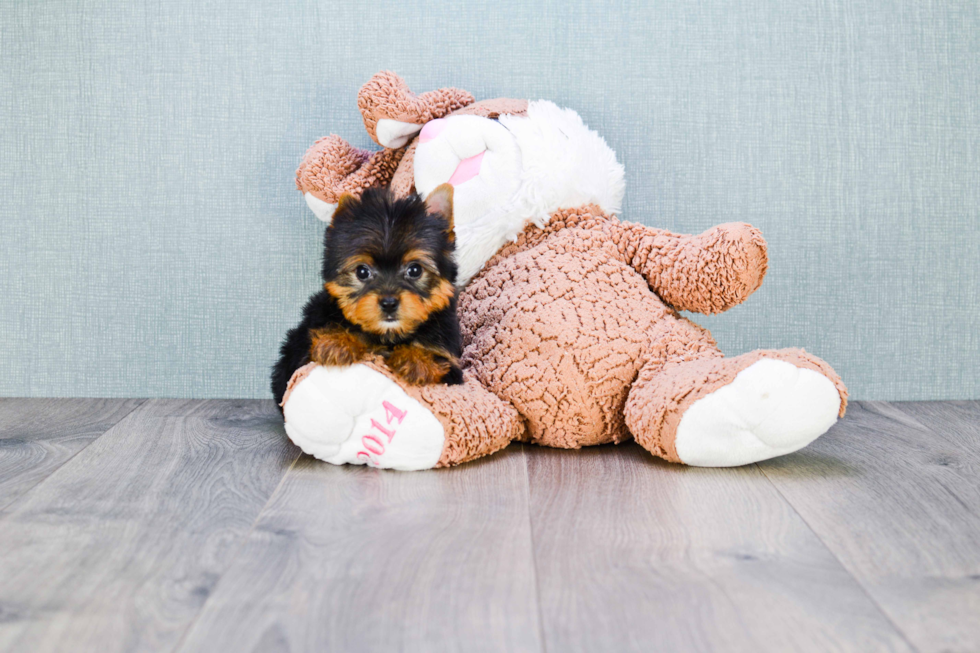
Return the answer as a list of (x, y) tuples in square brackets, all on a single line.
[(358, 415), (770, 409), (724, 412)]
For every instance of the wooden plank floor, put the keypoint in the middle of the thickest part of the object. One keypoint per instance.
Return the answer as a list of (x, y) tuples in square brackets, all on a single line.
[(171, 525)]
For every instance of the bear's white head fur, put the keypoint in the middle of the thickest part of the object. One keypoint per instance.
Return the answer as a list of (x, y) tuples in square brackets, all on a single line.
[(530, 166)]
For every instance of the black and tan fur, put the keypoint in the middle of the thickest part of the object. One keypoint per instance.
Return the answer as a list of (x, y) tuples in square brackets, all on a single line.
[(388, 274)]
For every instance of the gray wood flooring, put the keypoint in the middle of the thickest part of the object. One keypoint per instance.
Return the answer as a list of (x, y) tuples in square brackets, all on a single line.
[(176, 525)]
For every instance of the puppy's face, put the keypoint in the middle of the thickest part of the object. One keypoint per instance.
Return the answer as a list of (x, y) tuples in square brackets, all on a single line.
[(388, 263)]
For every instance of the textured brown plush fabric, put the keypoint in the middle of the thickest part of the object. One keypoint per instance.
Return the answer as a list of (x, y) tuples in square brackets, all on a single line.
[(571, 333), (561, 322), (332, 167), (493, 108), (662, 393), (475, 422), (403, 182), (386, 95), (708, 273)]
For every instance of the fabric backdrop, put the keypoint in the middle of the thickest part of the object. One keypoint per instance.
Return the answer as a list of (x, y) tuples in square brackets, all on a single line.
[(152, 242)]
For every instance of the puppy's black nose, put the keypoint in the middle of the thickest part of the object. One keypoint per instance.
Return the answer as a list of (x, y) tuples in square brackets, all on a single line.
[(388, 304)]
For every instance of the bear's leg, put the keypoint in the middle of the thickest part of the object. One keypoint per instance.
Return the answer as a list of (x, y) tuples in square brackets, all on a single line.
[(723, 412), (363, 414)]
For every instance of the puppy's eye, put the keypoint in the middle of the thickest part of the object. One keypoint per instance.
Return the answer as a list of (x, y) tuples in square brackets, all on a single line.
[(414, 271), (362, 272)]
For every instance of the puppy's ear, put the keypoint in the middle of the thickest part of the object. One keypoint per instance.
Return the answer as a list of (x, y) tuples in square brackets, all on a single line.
[(344, 202), (440, 202)]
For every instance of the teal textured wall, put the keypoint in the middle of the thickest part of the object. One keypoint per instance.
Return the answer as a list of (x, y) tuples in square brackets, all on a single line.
[(152, 243)]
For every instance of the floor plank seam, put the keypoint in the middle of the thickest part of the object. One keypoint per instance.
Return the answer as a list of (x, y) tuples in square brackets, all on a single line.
[(534, 555), (864, 590), (238, 552), (155, 518), (4, 515)]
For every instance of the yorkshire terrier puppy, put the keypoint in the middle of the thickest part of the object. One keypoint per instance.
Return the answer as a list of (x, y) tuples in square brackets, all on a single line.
[(388, 274)]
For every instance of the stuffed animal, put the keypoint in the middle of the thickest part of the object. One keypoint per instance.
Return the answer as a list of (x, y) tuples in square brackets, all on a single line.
[(570, 320)]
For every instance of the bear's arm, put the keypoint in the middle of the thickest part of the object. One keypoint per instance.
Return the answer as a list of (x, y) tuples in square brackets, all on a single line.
[(707, 273)]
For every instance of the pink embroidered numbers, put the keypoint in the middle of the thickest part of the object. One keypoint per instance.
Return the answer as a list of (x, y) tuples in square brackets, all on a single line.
[(374, 445)]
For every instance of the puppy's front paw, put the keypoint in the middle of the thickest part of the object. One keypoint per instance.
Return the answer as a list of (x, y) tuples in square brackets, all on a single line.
[(336, 347), (418, 365), (454, 377)]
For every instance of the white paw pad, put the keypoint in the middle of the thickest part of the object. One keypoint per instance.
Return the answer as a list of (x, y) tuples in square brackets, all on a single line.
[(770, 409), (359, 416)]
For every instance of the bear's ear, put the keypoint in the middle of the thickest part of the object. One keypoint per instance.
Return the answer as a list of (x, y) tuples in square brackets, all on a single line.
[(440, 202), (332, 167), (395, 133), (393, 114)]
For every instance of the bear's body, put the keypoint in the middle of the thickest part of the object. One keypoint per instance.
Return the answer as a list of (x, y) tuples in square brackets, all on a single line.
[(559, 325), (571, 331)]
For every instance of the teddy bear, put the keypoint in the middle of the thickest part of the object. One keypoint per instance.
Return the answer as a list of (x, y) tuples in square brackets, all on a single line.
[(570, 316)]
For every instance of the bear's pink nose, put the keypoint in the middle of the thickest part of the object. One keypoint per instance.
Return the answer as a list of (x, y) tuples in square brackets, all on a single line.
[(432, 129), (467, 169)]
